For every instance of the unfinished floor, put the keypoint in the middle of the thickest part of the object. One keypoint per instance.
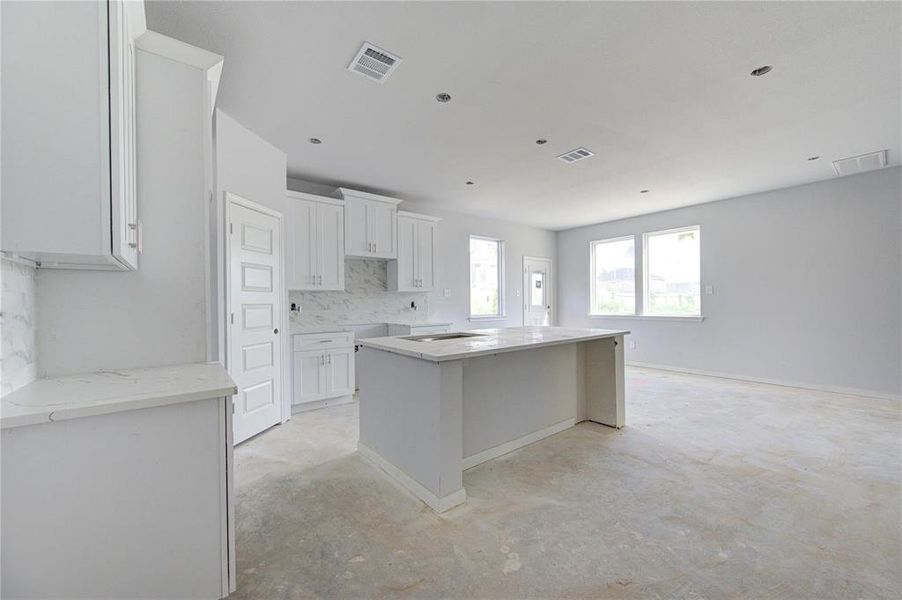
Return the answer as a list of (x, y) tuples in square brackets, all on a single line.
[(715, 489)]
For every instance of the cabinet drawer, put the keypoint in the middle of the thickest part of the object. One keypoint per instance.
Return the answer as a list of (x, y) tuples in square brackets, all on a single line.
[(319, 341)]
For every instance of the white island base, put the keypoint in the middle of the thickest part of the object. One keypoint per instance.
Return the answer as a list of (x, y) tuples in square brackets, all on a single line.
[(429, 410)]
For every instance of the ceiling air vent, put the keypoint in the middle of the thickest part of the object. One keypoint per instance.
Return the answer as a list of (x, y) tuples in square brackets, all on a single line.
[(575, 155), (374, 62), (860, 164)]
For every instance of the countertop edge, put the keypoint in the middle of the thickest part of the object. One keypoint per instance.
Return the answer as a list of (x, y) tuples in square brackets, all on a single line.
[(40, 414), (375, 345)]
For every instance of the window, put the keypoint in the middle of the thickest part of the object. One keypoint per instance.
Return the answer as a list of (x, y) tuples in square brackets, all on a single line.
[(486, 277), (668, 279), (673, 272), (613, 285)]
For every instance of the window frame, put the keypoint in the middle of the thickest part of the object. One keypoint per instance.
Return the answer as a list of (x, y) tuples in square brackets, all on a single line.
[(593, 283), (645, 271), (501, 314), (641, 277)]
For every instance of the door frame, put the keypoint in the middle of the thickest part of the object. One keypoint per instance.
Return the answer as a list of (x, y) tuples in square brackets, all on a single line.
[(230, 198), (550, 295)]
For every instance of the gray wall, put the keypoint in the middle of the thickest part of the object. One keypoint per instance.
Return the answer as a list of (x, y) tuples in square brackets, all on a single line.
[(807, 285)]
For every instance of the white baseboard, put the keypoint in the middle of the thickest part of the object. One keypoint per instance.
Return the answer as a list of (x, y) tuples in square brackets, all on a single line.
[(437, 504), (479, 458), (317, 404), (771, 381)]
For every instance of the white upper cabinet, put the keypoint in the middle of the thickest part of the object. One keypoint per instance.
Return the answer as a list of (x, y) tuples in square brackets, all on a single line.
[(371, 224), (414, 270), (317, 257), (69, 170)]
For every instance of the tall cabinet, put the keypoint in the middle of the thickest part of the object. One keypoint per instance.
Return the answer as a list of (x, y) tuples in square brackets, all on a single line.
[(317, 259), (414, 269), (69, 169)]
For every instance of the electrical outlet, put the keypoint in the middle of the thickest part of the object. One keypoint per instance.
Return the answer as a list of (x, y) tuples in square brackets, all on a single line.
[(709, 289), (446, 292), (632, 344)]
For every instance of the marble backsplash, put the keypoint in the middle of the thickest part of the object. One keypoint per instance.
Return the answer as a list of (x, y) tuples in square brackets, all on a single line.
[(365, 299), (18, 364)]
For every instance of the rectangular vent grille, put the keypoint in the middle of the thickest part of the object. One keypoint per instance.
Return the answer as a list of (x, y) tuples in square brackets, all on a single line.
[(860, 164), (374, 62), (575, 155)]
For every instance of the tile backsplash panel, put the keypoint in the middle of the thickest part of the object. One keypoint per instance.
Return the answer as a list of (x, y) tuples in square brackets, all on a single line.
[(365, 299), (18, 364)]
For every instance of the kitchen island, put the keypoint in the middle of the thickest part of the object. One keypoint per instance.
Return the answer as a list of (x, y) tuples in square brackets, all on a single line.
[(434, 405)]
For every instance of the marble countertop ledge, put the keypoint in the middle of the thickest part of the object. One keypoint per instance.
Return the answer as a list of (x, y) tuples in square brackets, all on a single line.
[(104, 392), (419, 323), (489, 341), (301, 329)]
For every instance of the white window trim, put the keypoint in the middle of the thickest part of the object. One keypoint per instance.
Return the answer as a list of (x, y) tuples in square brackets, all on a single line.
[(501, 315), (645, 286), (641, 279), (592, 282)]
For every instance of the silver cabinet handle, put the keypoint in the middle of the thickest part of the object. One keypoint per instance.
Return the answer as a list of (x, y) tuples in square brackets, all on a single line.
[(322, 359), (329, 359)]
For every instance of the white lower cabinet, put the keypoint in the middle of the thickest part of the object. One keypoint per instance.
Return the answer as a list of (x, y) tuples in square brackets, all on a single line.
[(322, 367)]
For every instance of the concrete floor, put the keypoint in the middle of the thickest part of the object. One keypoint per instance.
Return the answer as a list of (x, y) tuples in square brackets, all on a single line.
[(715, 489)]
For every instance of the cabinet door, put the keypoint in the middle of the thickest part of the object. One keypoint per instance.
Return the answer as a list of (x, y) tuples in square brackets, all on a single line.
[(330, 247), (357, 242), (123, 166), (407, 254), (340, 372), (302, 270), (384, 229), (308, 373), (425, 255)]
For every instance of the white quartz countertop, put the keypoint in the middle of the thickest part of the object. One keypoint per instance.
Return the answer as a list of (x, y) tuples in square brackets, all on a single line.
[(301, 329), (103, 392), (419, 323), (489, 341)]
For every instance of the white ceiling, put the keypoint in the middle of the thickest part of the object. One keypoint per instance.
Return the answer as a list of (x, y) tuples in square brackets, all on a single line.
[(660, 92)]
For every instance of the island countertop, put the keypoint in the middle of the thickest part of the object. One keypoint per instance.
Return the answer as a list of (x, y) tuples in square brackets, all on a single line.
[(103, 392), (488, 341)]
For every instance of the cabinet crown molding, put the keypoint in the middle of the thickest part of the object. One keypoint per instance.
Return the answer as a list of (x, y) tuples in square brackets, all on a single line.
[(344, 193), (420, 216), (314, 198)]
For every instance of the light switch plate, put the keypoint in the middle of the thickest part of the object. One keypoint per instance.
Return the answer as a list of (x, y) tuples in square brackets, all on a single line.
[(446, 292), (709, 289)]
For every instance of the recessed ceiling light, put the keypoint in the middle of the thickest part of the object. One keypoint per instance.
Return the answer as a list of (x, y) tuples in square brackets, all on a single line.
[(470, 183), (643, 191), (541, 141), (443, 97), (315, 141), (813, 157), (761, 71)]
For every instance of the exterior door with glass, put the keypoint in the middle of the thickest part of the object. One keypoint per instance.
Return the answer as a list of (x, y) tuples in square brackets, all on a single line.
[(537, 286)]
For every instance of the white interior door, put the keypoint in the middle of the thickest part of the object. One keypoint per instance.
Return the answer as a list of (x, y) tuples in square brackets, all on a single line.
[(255, 314), (537, 286)]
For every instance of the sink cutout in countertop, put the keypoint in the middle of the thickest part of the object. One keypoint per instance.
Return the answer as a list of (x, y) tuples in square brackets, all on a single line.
[(435, 337)]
